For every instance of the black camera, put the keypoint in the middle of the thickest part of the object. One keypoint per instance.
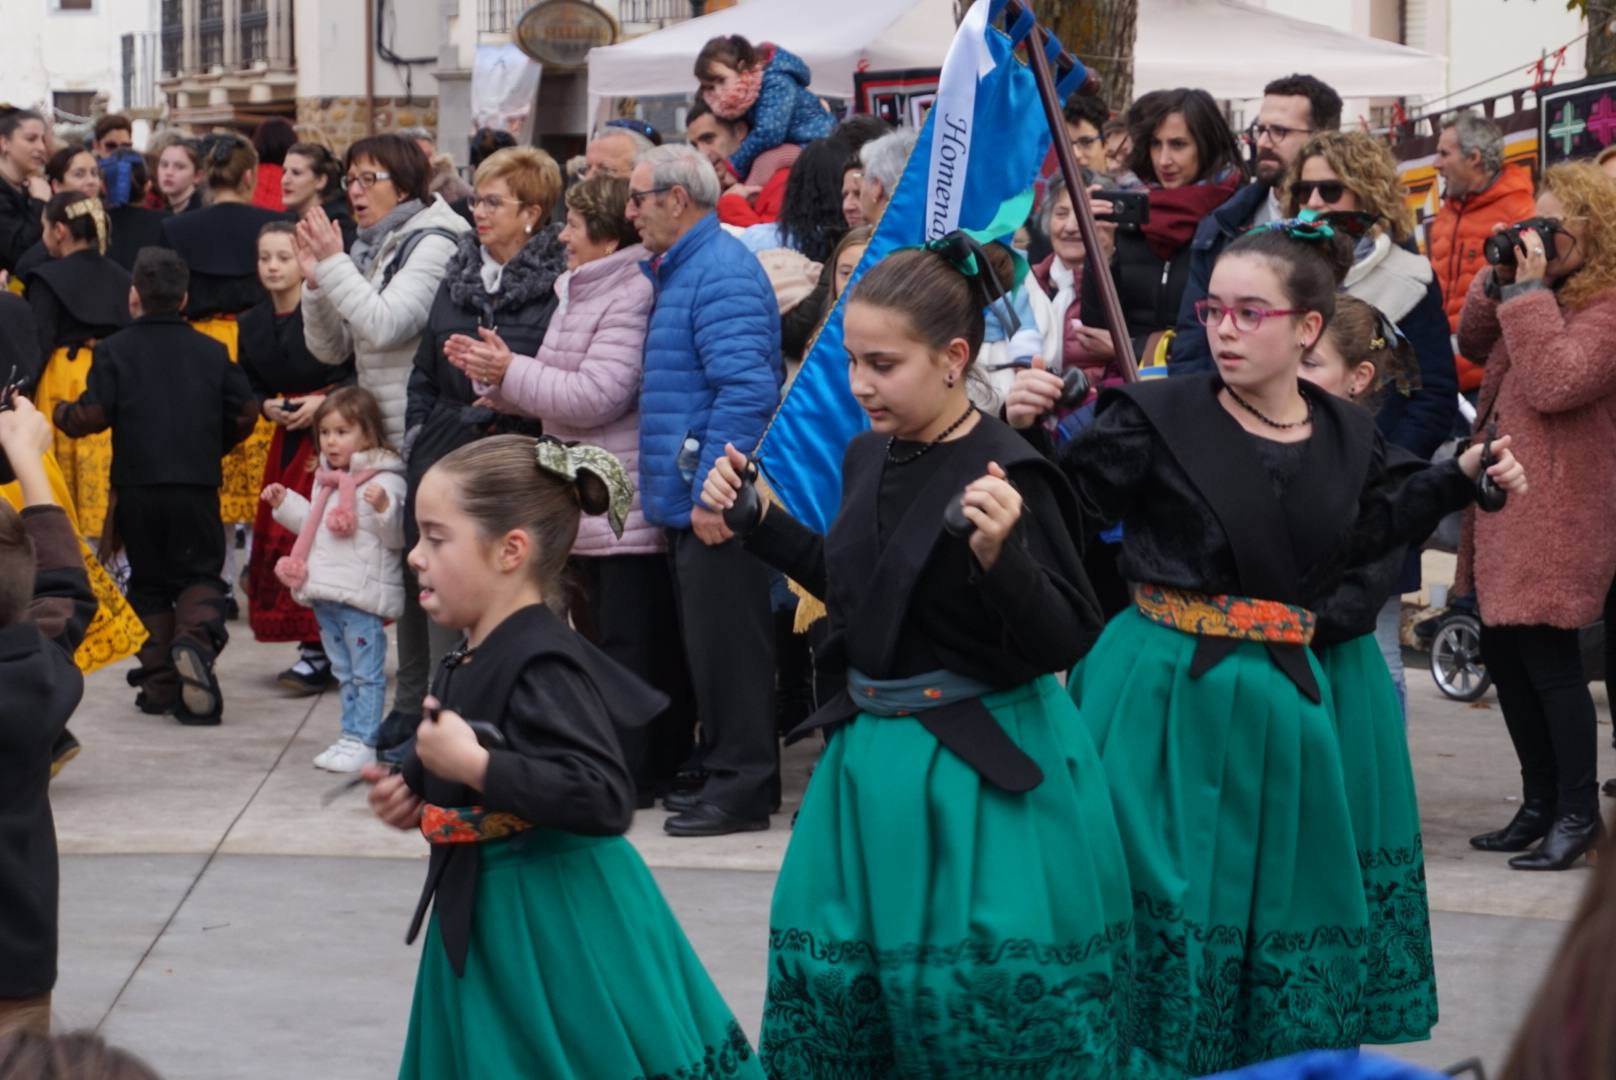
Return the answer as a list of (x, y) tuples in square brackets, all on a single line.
[(1502, 248)]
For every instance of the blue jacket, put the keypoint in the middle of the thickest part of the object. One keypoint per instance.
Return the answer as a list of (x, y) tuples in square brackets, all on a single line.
[(712, 364), (786, 111), (1190, 352)]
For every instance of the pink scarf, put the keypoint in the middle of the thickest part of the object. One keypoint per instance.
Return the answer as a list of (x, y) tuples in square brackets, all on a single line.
[(735, 96), (293, 569)]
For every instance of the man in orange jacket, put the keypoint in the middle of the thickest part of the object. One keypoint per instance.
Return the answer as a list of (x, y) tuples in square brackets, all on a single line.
[(1480, 192)]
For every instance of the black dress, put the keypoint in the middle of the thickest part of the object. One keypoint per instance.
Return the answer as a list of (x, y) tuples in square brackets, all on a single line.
[(1251, 929), (78, 300), (537, 899), (134, 228), (278, 364), (956, 840), (20, 227), (220, 244)]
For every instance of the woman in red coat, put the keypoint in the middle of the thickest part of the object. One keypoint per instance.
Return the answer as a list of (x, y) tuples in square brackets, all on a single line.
[(1541, 566)]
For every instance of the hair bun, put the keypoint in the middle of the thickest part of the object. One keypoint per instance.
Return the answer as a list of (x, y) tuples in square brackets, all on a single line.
[(594, 497)]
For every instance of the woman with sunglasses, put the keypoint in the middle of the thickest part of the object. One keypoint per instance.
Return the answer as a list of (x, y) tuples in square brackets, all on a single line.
[(1245, 493), (1540, 567), (371, 303), (1355, 176)]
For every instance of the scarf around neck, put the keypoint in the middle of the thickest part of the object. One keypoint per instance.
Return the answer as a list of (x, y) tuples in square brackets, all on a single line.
[(368, 241), (1175, 212), (293, 569), (734, 97)]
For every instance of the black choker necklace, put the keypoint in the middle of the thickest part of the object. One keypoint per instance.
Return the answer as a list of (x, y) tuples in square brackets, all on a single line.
[(949, 430), (1259, 414)]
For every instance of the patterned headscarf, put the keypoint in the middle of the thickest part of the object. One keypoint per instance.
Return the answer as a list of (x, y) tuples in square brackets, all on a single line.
[(92, 206), (567, 460)]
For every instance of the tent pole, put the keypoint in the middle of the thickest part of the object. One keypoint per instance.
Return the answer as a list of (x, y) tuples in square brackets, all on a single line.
[(1054, 113)]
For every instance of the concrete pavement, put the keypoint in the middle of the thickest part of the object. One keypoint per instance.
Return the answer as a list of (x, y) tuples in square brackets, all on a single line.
[(219, 921)]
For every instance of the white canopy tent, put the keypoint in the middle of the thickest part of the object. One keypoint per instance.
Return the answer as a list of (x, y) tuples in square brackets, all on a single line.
[(1230, 49), (1224, 46)]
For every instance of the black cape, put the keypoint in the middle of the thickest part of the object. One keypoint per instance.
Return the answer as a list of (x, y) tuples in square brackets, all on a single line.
[(555, 698), (220, 245), (77, 298), (872, 594)]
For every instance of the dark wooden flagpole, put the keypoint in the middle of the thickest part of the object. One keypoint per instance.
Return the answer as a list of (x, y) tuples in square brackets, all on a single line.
[(1054, 113)]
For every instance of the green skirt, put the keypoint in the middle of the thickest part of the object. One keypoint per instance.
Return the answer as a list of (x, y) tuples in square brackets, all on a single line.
[(1249, 917), (926, 924), (1400, 1003), (576, 969)]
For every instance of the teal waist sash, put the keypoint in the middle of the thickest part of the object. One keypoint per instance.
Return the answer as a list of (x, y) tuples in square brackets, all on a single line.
[(915, 694)]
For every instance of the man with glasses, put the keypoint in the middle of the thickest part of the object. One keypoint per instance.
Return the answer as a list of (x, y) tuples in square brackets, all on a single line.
[(1293, 109), (113, 132), (1085, 123), (712, 375)]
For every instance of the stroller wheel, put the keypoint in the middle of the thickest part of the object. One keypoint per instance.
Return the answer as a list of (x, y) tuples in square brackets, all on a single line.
[(1456, 658)]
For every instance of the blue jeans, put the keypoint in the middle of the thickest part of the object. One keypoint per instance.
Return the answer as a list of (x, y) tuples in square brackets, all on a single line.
[(356, 643), (1388, 635)]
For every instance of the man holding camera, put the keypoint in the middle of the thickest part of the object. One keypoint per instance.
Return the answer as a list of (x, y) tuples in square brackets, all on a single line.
[(1480, 192), (1293, 109)]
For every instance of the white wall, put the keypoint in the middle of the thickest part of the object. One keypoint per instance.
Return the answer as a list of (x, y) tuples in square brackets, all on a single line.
[(331, 48), (43, 50), (1491, 40)]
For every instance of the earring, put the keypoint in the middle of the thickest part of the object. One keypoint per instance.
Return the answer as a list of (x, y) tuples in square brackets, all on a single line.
[(950, 380), (530, 230)]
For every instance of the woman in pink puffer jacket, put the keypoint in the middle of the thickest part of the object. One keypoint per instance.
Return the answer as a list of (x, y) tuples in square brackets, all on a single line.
[(584, 386)]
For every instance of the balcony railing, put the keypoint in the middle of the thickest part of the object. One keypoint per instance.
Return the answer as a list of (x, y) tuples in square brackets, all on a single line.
[(140, 71), (658, 12), (499, 16)]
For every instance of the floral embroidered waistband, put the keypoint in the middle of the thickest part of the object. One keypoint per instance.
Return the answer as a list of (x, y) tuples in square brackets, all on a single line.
[(905, 697), (1241, 617), (467, 824)]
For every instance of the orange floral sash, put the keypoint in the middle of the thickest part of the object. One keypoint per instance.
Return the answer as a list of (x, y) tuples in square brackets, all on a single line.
[(1241, 617), (467, 824)]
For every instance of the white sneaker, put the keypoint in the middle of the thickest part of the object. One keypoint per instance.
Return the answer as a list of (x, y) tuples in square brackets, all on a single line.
[(350, 755), (322, 760)]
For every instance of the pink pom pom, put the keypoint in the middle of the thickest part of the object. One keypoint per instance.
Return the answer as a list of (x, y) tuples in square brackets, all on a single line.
[(341, 521), (292, 571)]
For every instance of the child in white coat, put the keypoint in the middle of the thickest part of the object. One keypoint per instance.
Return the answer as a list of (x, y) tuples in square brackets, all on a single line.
[(348, 564)]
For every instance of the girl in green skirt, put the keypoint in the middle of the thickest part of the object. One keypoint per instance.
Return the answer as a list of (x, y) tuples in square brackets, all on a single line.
[(954, 902), (1360, 355), (1245, 494), (550, 951)]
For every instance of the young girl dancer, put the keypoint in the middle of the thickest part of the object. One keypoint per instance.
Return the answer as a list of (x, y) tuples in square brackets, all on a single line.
[(550, 951), (290, 385), (1360, 356), (1245, 493), (346, 563), (954, 901), (79, 296)]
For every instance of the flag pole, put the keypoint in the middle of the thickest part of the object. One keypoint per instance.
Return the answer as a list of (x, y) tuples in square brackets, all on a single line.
[(1054, 113)]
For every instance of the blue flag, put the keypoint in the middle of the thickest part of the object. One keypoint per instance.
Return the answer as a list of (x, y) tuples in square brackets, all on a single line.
[(974, 167)]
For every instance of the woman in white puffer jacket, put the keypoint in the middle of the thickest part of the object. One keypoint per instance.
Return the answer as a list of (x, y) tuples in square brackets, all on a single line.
[(372, 303)]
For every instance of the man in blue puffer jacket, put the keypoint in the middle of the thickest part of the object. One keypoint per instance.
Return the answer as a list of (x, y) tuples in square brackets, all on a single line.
[(712, 376)]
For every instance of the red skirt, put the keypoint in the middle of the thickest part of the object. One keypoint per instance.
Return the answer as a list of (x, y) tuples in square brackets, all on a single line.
[(271, 611)]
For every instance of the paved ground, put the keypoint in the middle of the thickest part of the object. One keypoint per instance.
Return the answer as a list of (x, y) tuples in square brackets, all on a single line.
[(219, 921)]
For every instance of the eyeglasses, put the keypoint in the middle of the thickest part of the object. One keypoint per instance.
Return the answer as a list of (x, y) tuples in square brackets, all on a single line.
[(495, 203), (1247, 317), (1085, 142), (366, 180), (1329, 190), (1276, 133), (114, 147), (637, 198)]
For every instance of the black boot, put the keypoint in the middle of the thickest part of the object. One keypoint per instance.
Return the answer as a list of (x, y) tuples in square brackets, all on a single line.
[(1571, 837), (156, 678), (1529, 825)]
